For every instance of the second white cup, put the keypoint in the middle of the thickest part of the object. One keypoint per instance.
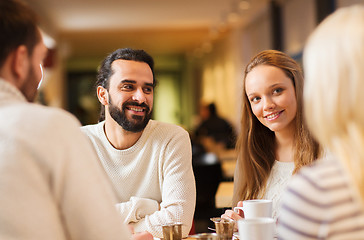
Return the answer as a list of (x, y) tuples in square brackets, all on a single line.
[(256, 208), (256, 228)]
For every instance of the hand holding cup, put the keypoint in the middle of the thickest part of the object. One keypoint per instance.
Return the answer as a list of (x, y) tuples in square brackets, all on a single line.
[(255, 208)]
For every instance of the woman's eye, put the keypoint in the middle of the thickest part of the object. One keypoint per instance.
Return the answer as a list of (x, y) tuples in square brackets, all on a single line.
[(278, 90), (255, 99)]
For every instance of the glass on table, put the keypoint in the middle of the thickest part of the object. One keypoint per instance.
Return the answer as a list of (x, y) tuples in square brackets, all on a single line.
[(224, 228)]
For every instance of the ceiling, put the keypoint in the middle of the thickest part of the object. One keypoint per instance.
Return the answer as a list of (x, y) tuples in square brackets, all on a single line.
[(86, 28)]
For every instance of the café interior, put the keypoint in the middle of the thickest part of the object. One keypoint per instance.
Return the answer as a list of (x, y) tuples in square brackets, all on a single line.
[(200, 50)]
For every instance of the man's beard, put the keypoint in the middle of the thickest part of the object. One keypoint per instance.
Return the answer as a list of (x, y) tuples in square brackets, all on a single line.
[(137, 124), (29, 89)]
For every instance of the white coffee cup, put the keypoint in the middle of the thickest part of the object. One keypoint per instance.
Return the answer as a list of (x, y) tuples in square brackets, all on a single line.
[(256, 208), (256, 228)]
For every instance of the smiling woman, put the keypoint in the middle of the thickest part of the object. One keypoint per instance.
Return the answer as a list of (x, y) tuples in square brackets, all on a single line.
[(272, 98), (273, 137)]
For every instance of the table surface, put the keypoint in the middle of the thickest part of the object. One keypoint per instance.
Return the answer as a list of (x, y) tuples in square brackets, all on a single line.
[(228, 168), (224, 195)]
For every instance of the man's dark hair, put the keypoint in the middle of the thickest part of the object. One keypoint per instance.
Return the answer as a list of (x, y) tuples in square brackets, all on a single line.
[(18, 26), (105, 71)]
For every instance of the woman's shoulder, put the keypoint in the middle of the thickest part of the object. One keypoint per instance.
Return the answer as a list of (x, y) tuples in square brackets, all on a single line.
[(322, 168), (320, 177)]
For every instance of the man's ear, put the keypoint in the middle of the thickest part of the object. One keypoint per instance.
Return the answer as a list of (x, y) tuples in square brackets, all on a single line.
[(102, 95), (20, 64)]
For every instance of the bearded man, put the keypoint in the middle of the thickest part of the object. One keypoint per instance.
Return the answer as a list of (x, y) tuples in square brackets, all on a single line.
[(148, 162)]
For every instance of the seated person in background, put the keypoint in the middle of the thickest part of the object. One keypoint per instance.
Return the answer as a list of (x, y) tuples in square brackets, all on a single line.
[(148, 162), (326, 200), (214, 126), (51, 183), (274, 141)]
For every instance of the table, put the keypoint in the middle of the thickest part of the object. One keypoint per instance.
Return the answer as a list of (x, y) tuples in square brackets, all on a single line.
[(228, 168), (224, 195), (226, 154)]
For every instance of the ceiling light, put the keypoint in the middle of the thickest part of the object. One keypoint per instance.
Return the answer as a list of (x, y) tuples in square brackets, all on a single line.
[(244, 5), (233, 17), (49, 42)]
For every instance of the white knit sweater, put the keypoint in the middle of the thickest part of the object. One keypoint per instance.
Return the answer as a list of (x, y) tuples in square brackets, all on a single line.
[(277, 182), (51, 184), (153, 179)]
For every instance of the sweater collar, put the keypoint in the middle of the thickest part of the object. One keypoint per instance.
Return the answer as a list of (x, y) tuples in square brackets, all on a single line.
[(136, 145), (9, 91)]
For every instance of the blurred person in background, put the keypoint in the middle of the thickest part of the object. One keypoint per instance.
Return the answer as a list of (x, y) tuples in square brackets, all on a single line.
[(51, 183), (274, 141), (148, 162), (214, 127), (326, 200)]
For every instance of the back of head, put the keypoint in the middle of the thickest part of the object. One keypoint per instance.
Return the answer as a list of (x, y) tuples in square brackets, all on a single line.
[(18, 26), (333, 63)]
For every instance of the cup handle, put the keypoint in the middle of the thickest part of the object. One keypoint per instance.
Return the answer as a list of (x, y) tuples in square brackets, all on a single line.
[(236, 209)]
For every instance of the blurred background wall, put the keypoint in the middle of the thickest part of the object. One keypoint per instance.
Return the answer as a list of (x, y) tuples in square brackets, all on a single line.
[(200, 48)]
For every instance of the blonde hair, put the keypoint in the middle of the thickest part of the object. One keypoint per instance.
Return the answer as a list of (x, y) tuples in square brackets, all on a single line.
[(334, 91), (256, 143)]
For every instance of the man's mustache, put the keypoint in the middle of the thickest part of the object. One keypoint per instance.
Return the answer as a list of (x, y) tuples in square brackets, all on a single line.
[(143, 105)]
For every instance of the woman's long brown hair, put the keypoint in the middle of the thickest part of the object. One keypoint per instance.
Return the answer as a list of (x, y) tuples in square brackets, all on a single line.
[(256, 143)]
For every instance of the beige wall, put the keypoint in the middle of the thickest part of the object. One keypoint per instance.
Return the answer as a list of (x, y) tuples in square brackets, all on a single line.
[(53, 85), (223, 68), (299, 20), (345, 3)]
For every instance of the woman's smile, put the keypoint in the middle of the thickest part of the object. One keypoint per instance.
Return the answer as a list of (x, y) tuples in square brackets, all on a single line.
[(273, 116)]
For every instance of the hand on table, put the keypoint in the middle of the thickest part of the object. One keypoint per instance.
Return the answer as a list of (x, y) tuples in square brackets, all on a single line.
[(231, 215), (142, 236)]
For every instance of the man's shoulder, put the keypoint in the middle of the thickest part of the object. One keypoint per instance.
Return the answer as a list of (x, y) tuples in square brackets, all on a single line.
[(95, 132), (92, 128), (166, 128), (39, 115), (39, 123)]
